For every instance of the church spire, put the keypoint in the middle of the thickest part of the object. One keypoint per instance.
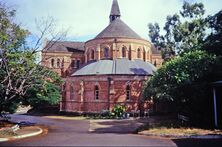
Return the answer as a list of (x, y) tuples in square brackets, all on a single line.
[(115, 11)]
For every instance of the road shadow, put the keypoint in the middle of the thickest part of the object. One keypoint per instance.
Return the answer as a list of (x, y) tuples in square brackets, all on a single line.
[(116, 126), (198, 142)]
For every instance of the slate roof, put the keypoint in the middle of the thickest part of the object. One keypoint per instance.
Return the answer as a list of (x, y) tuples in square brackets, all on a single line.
[(65, 46), (118, 28), (115, 8), (117, 67)]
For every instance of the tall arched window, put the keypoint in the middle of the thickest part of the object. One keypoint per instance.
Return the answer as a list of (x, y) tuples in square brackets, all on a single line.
[(124, 52), (88, 56), (52, 63), (138, 53), (58, 63), (155, 64), (71, 91), (96, 92), (144, 55), (92, 54), (62, 64), (128, 92), (106, 53), (64, 91), (130, 54)]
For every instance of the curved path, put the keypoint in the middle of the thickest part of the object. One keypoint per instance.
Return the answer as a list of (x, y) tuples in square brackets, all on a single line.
[(75, 133)]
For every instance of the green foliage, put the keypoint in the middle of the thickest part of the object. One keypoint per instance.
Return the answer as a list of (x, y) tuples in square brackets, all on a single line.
[(43, 95), (119, 110), (213, 43), (181, 71), (184, 32), (184, 82), (22, 80)]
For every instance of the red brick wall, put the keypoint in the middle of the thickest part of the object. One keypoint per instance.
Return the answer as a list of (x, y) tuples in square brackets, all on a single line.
[(65, 58), (117, 93)]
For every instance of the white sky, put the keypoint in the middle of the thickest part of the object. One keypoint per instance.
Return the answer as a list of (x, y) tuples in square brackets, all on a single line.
[(86, 18)]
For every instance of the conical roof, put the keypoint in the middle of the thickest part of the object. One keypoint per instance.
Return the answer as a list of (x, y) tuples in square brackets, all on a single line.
[(115, 8), (118, 28)]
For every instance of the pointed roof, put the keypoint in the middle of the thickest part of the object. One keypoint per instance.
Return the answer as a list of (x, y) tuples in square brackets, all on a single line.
[(115, 9), (118, 28)]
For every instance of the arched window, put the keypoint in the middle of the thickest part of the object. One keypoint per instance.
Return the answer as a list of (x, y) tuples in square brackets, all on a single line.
[(155, 64), (124, 52), (130, 54), (128, 92), (106, 53), (64, 91), (88, 56), (71, 91), (144, 55), (96, 92), (58, 63), (52, 63), (138, 53), (73, 63), (62, 64), (92, 54)]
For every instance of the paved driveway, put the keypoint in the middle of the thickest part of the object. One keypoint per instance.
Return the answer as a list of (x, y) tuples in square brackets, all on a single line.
[(75, 133)]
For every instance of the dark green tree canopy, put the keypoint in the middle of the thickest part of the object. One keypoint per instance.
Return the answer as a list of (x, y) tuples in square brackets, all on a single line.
[(184, 32), (213, 42)]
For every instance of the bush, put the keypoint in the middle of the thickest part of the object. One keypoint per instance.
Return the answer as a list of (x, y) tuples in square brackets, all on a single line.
[(119, 110)]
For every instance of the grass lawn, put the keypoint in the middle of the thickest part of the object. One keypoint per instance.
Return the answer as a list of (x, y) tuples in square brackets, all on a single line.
[(164, 131), (169, 126)]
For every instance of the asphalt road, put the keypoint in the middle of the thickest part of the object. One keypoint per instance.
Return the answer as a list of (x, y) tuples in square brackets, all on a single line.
[(75, 133)]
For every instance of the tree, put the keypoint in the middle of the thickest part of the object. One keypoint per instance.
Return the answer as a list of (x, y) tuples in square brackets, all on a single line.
[(184, 32), (19, 70), (213, 42), (184, 82)]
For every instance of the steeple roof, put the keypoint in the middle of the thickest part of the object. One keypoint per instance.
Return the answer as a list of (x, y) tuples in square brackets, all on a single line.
[(117, 28), (115, 9)]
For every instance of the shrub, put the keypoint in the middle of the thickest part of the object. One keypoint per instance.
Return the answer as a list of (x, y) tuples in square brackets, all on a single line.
[(119, 110)]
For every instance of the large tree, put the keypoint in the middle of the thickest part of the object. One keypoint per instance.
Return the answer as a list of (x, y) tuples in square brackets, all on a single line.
[(19, 69), (213, 42), (183, 32), (184, 82)]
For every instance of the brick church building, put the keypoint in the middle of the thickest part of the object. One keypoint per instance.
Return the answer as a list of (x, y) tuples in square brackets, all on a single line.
[(107, 70)]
